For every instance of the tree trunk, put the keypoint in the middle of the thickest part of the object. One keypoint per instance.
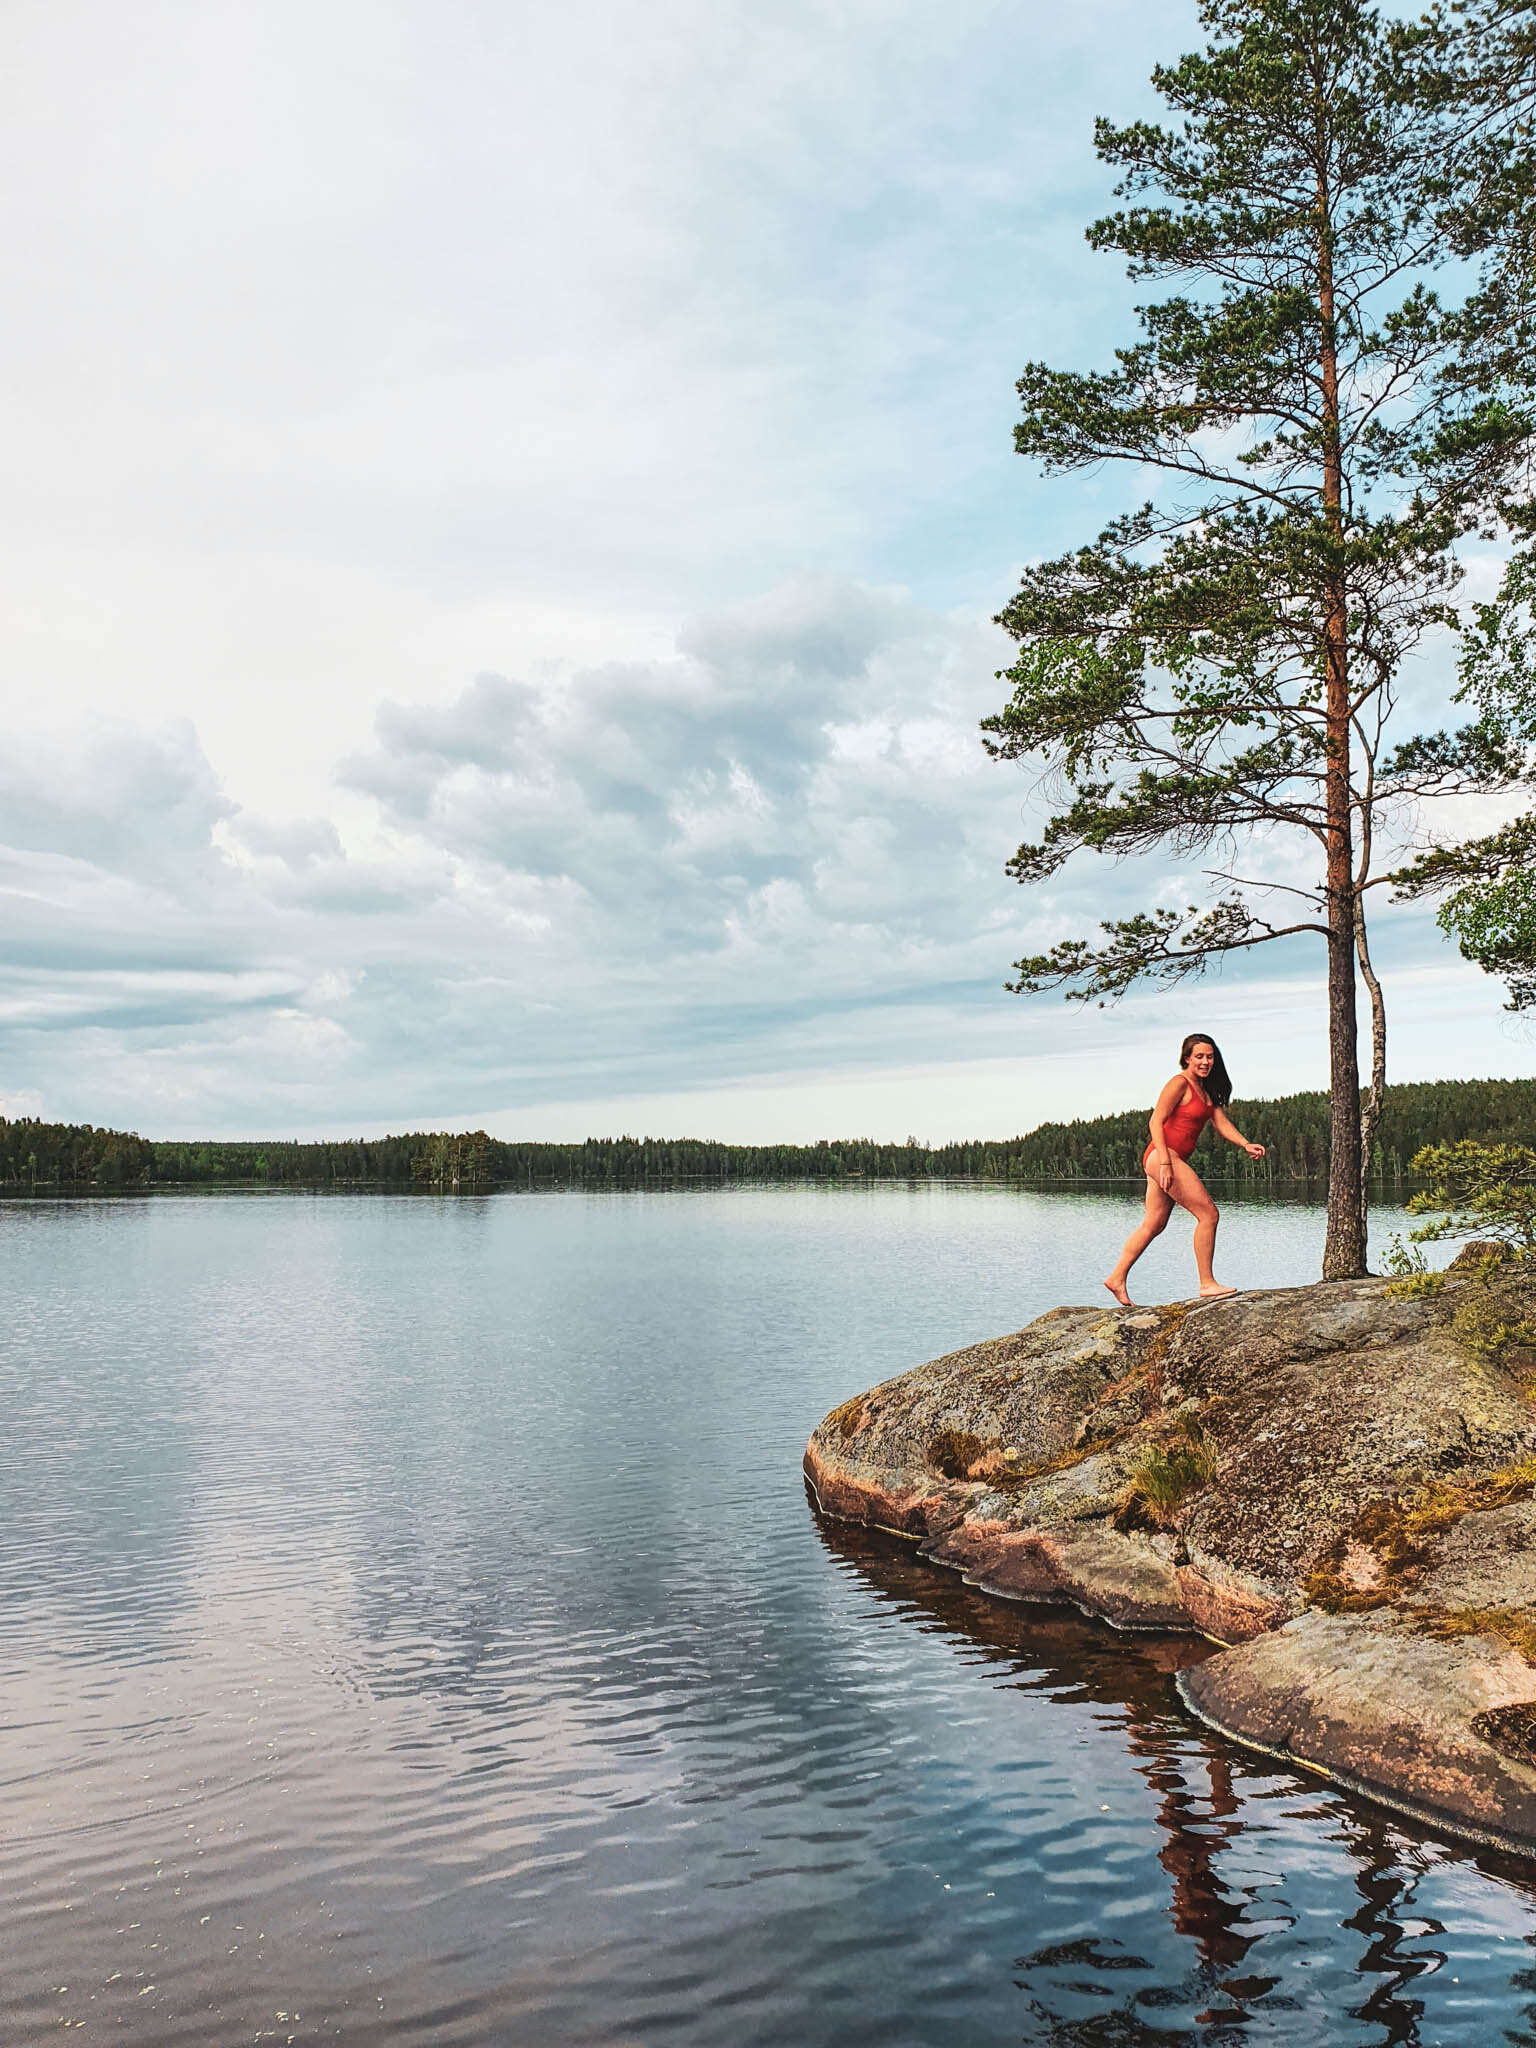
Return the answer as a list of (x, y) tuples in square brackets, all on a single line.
[(1372, 1101), (1344, 1246)]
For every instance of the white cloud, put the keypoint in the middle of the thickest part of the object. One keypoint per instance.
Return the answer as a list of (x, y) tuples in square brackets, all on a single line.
[(140, 803), (299, 843), (346, 351)]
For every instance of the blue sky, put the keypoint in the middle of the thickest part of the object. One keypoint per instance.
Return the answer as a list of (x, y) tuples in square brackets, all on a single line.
[(503, 513)]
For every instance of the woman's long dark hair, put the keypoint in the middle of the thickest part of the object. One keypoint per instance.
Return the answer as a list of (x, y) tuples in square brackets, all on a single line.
[(1218, 1082)]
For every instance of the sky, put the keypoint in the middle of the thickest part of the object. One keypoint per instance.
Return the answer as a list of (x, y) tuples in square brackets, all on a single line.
[(503, 513)]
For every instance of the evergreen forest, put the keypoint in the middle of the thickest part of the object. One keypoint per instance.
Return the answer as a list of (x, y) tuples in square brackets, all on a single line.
[(37, 1157)]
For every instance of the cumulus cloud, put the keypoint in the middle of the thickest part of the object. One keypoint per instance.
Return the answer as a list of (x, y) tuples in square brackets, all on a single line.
[(138, 803), (788, 784), (299, 843), (776, 848), (683, 865)]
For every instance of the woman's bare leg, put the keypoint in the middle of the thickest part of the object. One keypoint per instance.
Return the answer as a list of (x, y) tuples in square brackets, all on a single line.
[(1189, 1192), (1152, 1224)]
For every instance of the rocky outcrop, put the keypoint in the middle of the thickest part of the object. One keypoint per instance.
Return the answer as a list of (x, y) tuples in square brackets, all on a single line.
[(1336, 1483)]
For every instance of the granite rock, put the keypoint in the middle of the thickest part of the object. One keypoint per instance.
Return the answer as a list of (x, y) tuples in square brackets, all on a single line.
[(1355, 1523)]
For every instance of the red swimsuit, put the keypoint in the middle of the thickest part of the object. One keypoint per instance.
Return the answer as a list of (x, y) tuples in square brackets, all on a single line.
[(1182, 1130)]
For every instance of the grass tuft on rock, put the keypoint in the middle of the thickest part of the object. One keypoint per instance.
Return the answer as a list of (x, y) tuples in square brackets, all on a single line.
[(1165, 1476), (1441, 1503)]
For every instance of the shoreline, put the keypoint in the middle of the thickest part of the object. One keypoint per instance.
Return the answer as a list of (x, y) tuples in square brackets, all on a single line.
[(1312, 1190)]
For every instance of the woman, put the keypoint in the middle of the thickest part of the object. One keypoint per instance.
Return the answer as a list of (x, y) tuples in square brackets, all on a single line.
[(1197, 1095)]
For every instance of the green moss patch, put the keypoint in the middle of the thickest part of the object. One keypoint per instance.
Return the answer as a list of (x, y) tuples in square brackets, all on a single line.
[(1504, 1624), (849, 1419), (1395, 1532)]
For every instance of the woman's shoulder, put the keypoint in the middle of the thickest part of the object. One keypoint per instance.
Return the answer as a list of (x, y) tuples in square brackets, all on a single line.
[(1182, 1083)]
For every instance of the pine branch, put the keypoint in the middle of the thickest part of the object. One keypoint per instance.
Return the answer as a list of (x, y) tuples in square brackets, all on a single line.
[(1161, 945)]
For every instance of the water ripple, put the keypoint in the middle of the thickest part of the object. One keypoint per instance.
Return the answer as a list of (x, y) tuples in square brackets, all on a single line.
[(414, 1632)]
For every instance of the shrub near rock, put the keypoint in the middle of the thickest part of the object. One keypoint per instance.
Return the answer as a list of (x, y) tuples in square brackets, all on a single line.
[(1479, 1191), (1165, 1476)]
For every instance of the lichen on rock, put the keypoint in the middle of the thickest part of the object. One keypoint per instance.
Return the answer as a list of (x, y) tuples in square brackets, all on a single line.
[(1337, 1483)]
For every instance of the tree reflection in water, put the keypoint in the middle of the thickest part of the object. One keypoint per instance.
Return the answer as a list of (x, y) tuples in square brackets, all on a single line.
[(1214, 1800)]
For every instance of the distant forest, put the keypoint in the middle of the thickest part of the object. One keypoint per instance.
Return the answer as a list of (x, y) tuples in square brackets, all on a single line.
[(37, 1157)]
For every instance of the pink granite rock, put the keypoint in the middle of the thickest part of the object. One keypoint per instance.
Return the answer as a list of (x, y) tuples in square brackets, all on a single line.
[(1315, 1408)]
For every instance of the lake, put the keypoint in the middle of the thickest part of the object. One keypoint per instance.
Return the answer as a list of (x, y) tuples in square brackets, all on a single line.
[(415, 1630)]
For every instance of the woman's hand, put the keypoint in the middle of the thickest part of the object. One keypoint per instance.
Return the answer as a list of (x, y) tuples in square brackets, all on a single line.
[(1254, 1151), (1165, 1173)]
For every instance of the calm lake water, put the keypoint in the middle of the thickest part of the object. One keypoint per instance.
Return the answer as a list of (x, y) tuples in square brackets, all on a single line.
[(414, 1630)]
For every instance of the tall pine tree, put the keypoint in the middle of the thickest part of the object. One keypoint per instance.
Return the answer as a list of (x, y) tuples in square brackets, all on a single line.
[(1219, 666)]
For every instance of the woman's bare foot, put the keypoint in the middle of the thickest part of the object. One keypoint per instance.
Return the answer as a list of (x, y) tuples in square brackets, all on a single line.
[(1117, 1289), (1212, 1293)]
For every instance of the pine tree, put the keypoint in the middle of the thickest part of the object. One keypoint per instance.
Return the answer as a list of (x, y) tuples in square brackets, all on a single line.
[(1218, 667)]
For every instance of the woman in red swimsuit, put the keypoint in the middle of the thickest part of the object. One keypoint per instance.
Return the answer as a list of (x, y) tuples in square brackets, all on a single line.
[(1197, 1095)]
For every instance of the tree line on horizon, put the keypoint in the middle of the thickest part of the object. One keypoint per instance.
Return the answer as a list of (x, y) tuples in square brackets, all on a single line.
[(1295, 1129)]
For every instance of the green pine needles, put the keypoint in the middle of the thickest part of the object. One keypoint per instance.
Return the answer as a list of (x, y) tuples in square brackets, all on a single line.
[(1482, 1191), (1215, 675), (1487, 885)]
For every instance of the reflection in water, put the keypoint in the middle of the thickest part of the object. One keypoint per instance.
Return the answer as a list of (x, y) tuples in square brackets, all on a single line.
[(1195, 1823), (1083, 1991), (1385, 1922)]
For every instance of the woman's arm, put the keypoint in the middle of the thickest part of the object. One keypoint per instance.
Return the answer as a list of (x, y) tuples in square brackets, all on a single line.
[(1227, 1129), (1172, 1095)]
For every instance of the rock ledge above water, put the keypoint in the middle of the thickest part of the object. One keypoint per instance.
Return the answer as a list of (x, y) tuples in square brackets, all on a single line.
[(1360, 1531)]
